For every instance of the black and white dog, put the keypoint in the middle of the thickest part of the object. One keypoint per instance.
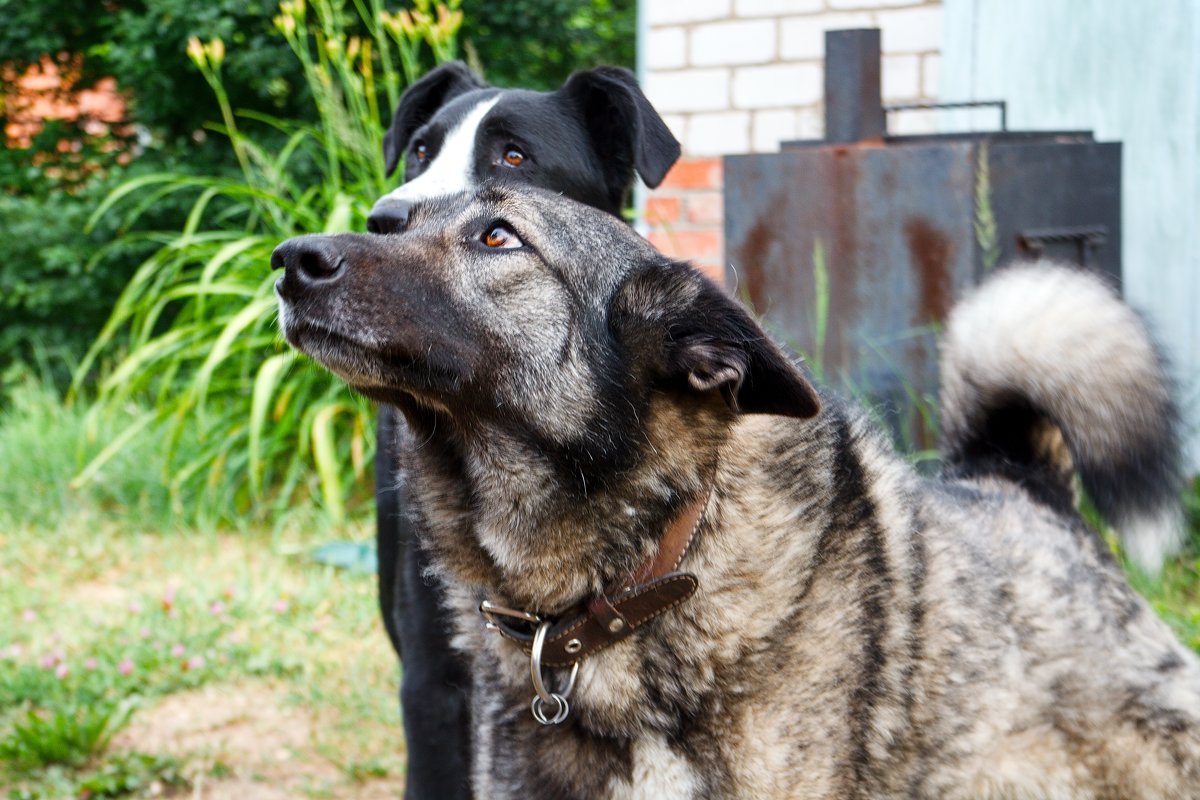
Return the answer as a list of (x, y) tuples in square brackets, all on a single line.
[(452, 131)]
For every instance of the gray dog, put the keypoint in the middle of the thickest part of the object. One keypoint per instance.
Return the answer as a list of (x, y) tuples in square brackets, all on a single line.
[(715, 581)]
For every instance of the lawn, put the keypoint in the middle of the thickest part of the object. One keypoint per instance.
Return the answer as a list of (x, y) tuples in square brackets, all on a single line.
[(214, 665)]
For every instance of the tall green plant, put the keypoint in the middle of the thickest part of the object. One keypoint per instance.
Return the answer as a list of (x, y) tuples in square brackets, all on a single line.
[(820, 309), (985, 218), (194, 330)]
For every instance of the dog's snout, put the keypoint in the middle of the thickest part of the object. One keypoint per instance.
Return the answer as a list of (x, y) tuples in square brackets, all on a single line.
[(309, 259), (388, 216)]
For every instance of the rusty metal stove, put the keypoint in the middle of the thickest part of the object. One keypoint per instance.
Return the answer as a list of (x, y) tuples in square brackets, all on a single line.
[(903, 225)]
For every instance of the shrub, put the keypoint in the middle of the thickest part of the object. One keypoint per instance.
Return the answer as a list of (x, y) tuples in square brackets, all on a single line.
[(54, 294), (194, 330), (555, 38), (142, 41)]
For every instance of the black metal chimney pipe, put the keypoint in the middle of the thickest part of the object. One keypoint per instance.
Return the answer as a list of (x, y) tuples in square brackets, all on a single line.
[(853, 98)]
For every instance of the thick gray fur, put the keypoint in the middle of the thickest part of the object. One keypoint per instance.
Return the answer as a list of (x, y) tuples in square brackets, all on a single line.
[(859, 631)]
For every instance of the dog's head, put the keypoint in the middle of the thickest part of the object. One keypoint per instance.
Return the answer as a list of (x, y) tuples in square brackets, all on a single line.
[(453, 133), (517, 307)]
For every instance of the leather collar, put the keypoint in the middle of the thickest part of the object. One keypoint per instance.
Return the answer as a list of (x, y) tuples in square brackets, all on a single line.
[(608, 617)]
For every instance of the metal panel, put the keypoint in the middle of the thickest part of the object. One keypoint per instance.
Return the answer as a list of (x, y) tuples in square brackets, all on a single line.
[(1042, 186), (898, 248), (900, 221)]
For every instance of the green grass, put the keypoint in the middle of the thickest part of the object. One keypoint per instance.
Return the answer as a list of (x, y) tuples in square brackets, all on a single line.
[(69, 737), (49, 447), (102, 623), (127, 774), (1175, 594), (44, 442), (117, 601)]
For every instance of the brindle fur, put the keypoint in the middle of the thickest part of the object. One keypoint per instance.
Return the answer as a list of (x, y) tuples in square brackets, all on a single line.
[(859, 631)]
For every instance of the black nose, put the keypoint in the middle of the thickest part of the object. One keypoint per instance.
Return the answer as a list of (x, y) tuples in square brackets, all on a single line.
[(388, 216), (309, 259)]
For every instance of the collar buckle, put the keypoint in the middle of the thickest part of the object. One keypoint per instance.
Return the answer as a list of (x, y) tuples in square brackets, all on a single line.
[(492, 612)]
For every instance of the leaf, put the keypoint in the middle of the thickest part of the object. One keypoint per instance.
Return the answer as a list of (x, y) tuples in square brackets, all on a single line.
[(325, 456), (192, 336), (128, 369), (124, 190), (252, 313), (94, 466), (352, 556), (340, 215), (260, 403)]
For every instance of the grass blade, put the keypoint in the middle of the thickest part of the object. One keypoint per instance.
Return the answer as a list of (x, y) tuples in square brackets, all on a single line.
[(325, 456), (260, 405)]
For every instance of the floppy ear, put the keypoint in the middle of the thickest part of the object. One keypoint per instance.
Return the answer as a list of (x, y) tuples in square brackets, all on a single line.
[(421, 101), (626, 132), (682, 328)]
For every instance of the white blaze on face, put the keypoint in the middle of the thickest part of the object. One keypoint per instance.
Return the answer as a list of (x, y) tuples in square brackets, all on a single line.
[(450, 171)]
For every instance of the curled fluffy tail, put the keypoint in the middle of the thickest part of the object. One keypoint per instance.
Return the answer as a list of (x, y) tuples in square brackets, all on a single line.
[(1045, 371)]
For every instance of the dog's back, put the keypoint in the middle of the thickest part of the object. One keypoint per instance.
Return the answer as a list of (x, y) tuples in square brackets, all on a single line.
[(1042, 673)]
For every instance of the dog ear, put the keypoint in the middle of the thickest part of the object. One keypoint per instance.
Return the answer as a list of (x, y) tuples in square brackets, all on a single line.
[(625, 130), (420, 102), (685, 329)]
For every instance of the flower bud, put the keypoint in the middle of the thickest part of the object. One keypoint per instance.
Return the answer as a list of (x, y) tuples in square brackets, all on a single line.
[(216, 52), (195, 51)]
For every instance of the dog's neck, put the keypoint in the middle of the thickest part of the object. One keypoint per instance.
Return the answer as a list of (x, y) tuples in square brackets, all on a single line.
[(506, 517)]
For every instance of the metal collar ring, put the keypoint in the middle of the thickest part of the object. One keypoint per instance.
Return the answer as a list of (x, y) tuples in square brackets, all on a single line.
[(543, 696)]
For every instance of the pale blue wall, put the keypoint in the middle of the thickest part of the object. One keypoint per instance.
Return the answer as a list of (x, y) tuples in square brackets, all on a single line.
[(1130, 71)]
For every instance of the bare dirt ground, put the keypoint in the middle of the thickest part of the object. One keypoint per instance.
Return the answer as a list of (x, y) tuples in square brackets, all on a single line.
[(247, 742)]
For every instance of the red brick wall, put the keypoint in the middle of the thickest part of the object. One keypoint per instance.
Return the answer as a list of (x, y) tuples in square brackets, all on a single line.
[(684, 215)]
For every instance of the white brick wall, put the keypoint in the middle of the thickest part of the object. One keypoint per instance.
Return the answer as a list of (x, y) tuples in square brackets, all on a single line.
[(776, 8), (872, 4), (911, 30), (901, 77), (778, 85), (803, 38), (931, 75), (737, 42), (717, 134), (810, 123), (689, 90), (743, 75), (772, 127), (666, 48), (669, 12), (677, 124)]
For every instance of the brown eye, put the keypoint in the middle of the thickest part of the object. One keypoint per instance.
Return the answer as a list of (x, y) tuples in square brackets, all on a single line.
[(500, 236), (421, 151), (514, 157)]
